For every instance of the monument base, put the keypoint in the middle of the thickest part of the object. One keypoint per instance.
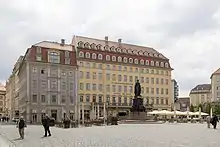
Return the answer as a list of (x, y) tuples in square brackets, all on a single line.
[(138, 105)]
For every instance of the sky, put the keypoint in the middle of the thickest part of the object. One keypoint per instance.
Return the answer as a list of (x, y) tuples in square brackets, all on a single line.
[(185, 31)]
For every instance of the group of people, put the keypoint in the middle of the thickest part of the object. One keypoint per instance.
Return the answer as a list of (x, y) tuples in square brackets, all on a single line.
[(214, 120), (45, 122)]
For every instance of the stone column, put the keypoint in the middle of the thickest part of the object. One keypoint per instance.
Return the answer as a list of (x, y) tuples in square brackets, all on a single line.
[(104, 113), (83, 115), (98, 112), (93, 113)]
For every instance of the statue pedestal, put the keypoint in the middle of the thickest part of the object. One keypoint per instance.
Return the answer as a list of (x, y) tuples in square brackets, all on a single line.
[(138, 105)]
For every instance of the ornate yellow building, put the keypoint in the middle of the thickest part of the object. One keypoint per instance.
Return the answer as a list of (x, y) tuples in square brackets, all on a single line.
[(108, 71)]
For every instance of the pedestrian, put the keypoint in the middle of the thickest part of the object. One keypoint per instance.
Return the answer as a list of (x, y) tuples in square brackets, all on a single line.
[(208, 119), (214, 121), (46, 125), (21, 125)]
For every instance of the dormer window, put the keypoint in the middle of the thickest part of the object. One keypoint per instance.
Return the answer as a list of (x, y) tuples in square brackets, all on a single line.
[(113, 58), (80, 44), (100, 56), (125, 51), (81, 54), (119, 50), (166, 65), (87, 55), (93, 46), (140, 53), (99, 47), (145, 53), (130, 51), (113, 49), (38, 50), (93, 55), (155, 55), (136, 61), (86, 45), (125, 59), (130, 60), (119, 59), (106, 48)]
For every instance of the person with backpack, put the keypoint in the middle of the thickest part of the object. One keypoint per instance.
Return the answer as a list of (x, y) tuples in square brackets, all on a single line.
[(21, 125)]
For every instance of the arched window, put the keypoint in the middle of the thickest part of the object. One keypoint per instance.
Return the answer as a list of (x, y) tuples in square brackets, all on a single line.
[(157, 63), (106, 48), (100, 56), (81, 54), (162, 64), (93, 55), (80, 44), (86, 45), (125, 59), (136, 61), (112, 49), (166, 65), (146, 62), (107, 58), (119, 59), (87, 55), (142, 62), (130, 60), (113, 58), (93, 46), (152, 63)]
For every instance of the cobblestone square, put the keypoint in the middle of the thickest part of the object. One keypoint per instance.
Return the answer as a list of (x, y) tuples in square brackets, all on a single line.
[(137, 135)]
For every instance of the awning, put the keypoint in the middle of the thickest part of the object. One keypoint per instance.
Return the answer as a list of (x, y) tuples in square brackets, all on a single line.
[(34, 111), (71, 111), (43, 111)]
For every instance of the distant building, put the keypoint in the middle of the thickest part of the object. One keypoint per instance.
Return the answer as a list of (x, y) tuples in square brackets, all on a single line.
[(2, 100), (184, 103), (200, 94), (215, 81), (175, 91)]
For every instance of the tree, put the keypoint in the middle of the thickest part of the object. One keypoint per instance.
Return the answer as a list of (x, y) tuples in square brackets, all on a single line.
[(200, 106), (207, 108), (192, 108), (216, 109)]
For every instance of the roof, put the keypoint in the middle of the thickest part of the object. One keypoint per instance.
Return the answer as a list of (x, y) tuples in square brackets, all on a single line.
[(217, 72), (204, 87), (122, 45), (2, 87), (54, 45)]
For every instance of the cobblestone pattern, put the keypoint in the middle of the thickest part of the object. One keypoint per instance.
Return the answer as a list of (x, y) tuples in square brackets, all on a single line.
[(136, 135)]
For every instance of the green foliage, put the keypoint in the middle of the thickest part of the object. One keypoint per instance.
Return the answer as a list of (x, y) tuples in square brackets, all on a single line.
[(207, 108), (216, 110), (192, 108), (200, 106)]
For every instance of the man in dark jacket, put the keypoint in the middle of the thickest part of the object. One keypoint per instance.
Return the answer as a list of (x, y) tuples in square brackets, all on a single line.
[(214, 121), (21, 125), (46, 125)]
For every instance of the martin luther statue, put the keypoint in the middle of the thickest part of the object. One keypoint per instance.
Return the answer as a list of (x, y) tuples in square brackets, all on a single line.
[(137, 89)]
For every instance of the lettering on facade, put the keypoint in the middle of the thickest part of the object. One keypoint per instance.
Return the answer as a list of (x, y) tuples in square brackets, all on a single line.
[(122, 83)]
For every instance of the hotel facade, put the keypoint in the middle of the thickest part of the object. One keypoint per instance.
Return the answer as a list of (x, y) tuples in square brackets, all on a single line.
[(108, 71)]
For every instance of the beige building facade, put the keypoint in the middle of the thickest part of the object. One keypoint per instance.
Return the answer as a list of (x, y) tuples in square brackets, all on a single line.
[(2, 101), (200, 94), (215, 82)]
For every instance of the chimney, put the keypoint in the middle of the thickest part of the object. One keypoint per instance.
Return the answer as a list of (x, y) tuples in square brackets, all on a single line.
[(106, 39), (119, 41), (62, 42)]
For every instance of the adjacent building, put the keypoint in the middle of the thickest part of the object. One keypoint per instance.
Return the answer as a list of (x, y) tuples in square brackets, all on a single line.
[(12, 91), (175, 91), (215, 82), (47, 81), (200, 94), (2, 100), (108, 71), (184, 103)]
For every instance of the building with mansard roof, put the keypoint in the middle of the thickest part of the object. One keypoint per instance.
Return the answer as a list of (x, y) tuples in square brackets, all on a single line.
[(108, 71)]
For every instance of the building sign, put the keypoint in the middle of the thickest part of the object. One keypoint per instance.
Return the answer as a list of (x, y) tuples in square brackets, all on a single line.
[(122, 83)]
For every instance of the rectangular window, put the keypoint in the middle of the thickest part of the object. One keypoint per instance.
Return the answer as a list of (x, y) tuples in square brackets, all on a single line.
[(162, 91), (125, 78), (94, 75), (157, 71), (87, 75), (157, 80), (67, 54), (114, 67), (108, 67), (147, 80), (157, 91), (119, 100), (43, 98), (157, 101), (108, 88), (94, 98), (34, 98), (100, 87), (142, 70), (162, 81), (136, 70), (166, 81), (87, 98), (81, 98), (119, 68), (63, 100), (54, 84), (119, 77), (147, 89), (131, 79), (94, 65), (166, 91), (152, 80), (119, 88), (152, 90), (80, 74), (34, 83), (142, 89), (142, 79), (54, 99), (53, 57), (167, 101), (131, 70), (152, 71), (94, 87), (100, 66), (161, 72), (125, 89), (88, 65), (108, 76), (136, 78), (71, 99), (147, 71), (81, 87), (161, 101), (125, 68), (71, 86), (114, 77), (100, 76), (113, 88), (67, 60), (100, 99), (87, 86), (130, 89), (63, 86)]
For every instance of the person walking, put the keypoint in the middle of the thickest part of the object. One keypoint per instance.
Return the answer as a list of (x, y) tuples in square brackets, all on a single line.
[(214, 121), (46, 125), (21, 125), (208, 120)]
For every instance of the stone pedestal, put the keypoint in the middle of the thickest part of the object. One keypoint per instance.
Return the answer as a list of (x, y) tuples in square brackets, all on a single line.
[(138, 105)]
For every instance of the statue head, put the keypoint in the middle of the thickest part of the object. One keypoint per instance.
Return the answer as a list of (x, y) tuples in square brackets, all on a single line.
[(137, 81)]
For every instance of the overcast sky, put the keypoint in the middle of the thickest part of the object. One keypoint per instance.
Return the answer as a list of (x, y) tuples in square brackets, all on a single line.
[(186, 31)]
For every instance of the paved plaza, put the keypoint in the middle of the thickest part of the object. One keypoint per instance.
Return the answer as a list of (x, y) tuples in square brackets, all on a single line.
[(136, 135)]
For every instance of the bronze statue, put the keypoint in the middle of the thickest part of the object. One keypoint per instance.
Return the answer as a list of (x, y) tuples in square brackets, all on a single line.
[(137, 89)]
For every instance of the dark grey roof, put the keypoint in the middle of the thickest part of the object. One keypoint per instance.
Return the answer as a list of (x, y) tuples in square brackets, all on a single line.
[(202, 87)]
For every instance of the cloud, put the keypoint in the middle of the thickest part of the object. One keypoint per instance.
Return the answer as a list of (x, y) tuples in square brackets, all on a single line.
[(185, 31)]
